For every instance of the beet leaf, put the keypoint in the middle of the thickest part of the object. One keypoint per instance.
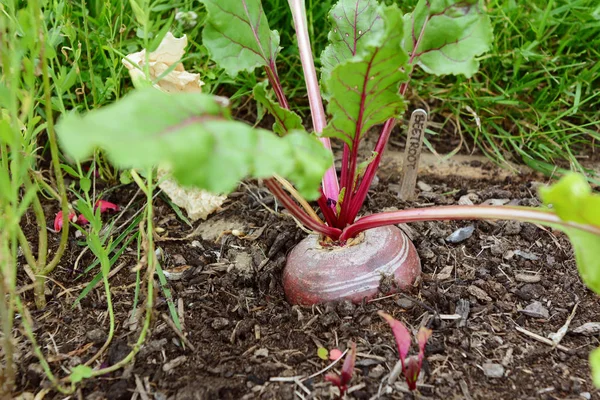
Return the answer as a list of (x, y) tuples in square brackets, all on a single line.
[(573, 200), (364, 89), (193, 133), (285, 120), (237, 35), (445, 36), (354, 23)]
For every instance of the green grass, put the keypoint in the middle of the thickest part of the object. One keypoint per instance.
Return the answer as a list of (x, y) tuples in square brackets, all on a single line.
[(538, 91)]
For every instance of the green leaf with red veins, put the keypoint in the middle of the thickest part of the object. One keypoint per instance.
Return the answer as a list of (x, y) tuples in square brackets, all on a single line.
[(364, 89), (285, 120), (237, 35), (353, 22), (446, 36), (193, 134), (401, 334), (573, 200)]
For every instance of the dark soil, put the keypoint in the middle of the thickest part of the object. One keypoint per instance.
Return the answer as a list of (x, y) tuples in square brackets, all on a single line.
[(235, 315)]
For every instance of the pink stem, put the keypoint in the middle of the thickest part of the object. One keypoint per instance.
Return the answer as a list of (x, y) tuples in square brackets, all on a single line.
[(331, 187), (363, 188), (328, 211), (386, 131), (271, 71), (462, 213), (299, 213)]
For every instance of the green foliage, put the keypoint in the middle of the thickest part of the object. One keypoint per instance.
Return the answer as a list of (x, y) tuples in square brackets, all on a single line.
[(237, 35), (323, 353), (80, 372), (573, 200), (444, 36), (595, 364), (193, 134), (354, 23), (364, 89), (285, 120)]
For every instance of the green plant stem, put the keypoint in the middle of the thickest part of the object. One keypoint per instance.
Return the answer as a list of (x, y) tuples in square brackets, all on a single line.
[(47, 268), (111, 312), (150, 287), (42, 233), (7, 377), (39, 180)]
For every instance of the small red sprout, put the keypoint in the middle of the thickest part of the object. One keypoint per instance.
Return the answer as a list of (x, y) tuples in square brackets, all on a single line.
[(411, 366), (59, 220), (334, 354), (81, 219), (342, 380), (106, 206)]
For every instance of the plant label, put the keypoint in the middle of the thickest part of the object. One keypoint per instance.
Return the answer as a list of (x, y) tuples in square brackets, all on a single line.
[(412, 153)]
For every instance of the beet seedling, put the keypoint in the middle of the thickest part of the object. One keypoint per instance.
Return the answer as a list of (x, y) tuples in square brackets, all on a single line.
[(411, 366), (343, 379)]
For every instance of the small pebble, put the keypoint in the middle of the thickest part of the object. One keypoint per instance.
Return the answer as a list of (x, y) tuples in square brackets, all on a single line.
[(178, 259), (96, 335), (374, 183), (219, 323), (377, 371), (461, 234), (480, 294), (588, 329), (512, 228), (426, 252), (586, 395), (346, 308), (495, 202), (262, 352), (405, 303), (536, 310), (465, 200), (526, 255), (528, 278), (174, 363), (492, 370), (424, 187)]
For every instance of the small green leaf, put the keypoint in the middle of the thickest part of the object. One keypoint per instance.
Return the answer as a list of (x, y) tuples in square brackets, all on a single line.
[(354, 22), (193, 135), (323, 353), (80, 373), (573, 200), (125, 177), (448, 35), (595, 364), (85, 184), (364, 89), (340, 201), (237, 35), (285, 120), (362, 167)]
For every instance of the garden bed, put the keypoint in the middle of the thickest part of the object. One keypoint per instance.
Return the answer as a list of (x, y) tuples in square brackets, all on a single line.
[(244, 333)]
